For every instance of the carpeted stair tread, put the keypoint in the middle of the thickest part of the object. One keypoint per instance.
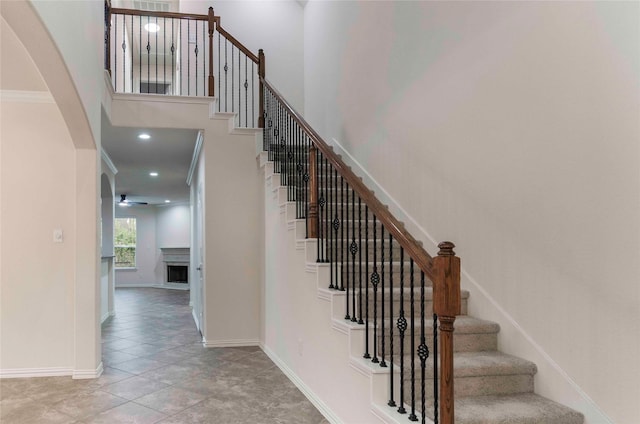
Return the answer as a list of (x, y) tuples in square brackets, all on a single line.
[(485, 363), (526, 408)]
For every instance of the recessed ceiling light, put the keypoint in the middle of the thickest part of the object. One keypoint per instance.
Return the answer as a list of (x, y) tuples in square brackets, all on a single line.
[(152, 27), (167, 201), (144, 136), (153, 174)]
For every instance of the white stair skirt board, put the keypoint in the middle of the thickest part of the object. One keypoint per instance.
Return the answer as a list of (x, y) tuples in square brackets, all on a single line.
[(35, 372)]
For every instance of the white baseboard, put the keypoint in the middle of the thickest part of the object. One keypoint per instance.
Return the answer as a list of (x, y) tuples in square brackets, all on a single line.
[(231, 343), (86, 374), (309, 394), (35, 372)]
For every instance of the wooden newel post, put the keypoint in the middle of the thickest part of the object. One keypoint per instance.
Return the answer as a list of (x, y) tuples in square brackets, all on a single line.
[(313, 194), (261, 74), (211, 28), (446, 304)]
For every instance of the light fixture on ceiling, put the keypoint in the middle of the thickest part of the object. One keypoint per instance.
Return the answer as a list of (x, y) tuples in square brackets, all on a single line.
[(151, 27), (167, 201), (144, 136), (153, 174)]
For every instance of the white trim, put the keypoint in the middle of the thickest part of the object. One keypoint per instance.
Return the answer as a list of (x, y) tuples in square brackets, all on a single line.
[(231, 343), (87, 374), (105, 317), (309, 394), (594, 411), (194, 158), (20, 96), (35, 372), (162, 98), (136, 285), (107, 160)]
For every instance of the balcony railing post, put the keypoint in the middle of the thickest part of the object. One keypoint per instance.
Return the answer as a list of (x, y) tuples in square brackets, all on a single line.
[(261, 74), (107, 36), (211, 28), (446, 304), (313, 193)]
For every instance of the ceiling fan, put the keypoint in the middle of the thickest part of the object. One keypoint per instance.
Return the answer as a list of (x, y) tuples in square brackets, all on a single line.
[(124, 202)]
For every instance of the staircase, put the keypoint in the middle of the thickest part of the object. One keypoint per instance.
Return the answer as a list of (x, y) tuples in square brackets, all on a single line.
[(402, 310), (490, 386)]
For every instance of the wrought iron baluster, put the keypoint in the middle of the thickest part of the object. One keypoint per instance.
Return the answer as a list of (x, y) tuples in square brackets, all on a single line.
[(375, 280), (435, 369), (360, 321), (423, 350), (354, 251), (131, 48), (391, 402), (336, 227), (330, 195), (366, 293), (226, 73), (402, 327), (164, 54), (233, 82), (217, 34), (345, 246), (253, 96), (412, 415), (173, 64), (383, 363), (246, 94), (139, 88), (342, 268)]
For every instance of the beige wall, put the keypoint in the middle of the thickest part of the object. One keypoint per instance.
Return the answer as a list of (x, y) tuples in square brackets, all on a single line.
[(511, 129), (51, 169)]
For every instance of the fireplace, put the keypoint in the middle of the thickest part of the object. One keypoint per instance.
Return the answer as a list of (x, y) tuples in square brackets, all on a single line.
[(176, 269), (178, 274)]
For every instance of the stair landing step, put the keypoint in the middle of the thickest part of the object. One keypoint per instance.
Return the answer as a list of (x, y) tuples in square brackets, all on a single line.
[(527, 408)]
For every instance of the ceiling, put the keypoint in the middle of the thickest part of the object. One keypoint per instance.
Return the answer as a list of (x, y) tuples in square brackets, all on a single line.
[(168, 152)]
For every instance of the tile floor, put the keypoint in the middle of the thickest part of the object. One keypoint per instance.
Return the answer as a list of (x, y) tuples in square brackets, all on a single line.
[(156, 371)]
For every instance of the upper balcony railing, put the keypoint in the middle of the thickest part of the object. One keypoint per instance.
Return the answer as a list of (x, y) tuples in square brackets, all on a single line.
[(178, 54)]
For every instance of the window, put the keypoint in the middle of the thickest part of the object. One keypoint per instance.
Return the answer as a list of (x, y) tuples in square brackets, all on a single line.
[(125, 242)]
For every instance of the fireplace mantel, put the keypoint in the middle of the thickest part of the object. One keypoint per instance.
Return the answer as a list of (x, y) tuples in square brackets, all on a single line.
[(175, 254)]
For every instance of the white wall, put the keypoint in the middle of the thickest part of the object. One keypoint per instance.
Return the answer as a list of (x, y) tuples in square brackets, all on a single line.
[(172, 226), (84, 63), (52, 288), (511, 129), (147, 254), (276, 26)]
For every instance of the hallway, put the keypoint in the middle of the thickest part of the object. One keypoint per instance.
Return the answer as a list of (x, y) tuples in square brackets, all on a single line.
[(156, 371)]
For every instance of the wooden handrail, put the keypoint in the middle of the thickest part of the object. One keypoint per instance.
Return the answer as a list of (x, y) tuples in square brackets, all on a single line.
[(235, 42), (391, 224), (155, 14)]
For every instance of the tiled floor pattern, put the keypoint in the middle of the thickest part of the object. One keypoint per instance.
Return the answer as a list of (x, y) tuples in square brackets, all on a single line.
[(156, 371)]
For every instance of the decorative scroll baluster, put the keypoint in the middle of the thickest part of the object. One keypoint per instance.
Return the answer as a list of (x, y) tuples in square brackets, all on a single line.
[(354, 250), (375, 280), (423, 350), (156, 84), (402, 327), (360, 321), (330, 212), (366, 293), (336, 227), (211, 81), (383, 363), (342, 270), (312, 218)]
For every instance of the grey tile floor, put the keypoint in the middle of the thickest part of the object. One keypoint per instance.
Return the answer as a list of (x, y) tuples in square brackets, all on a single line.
[(156, 371)]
